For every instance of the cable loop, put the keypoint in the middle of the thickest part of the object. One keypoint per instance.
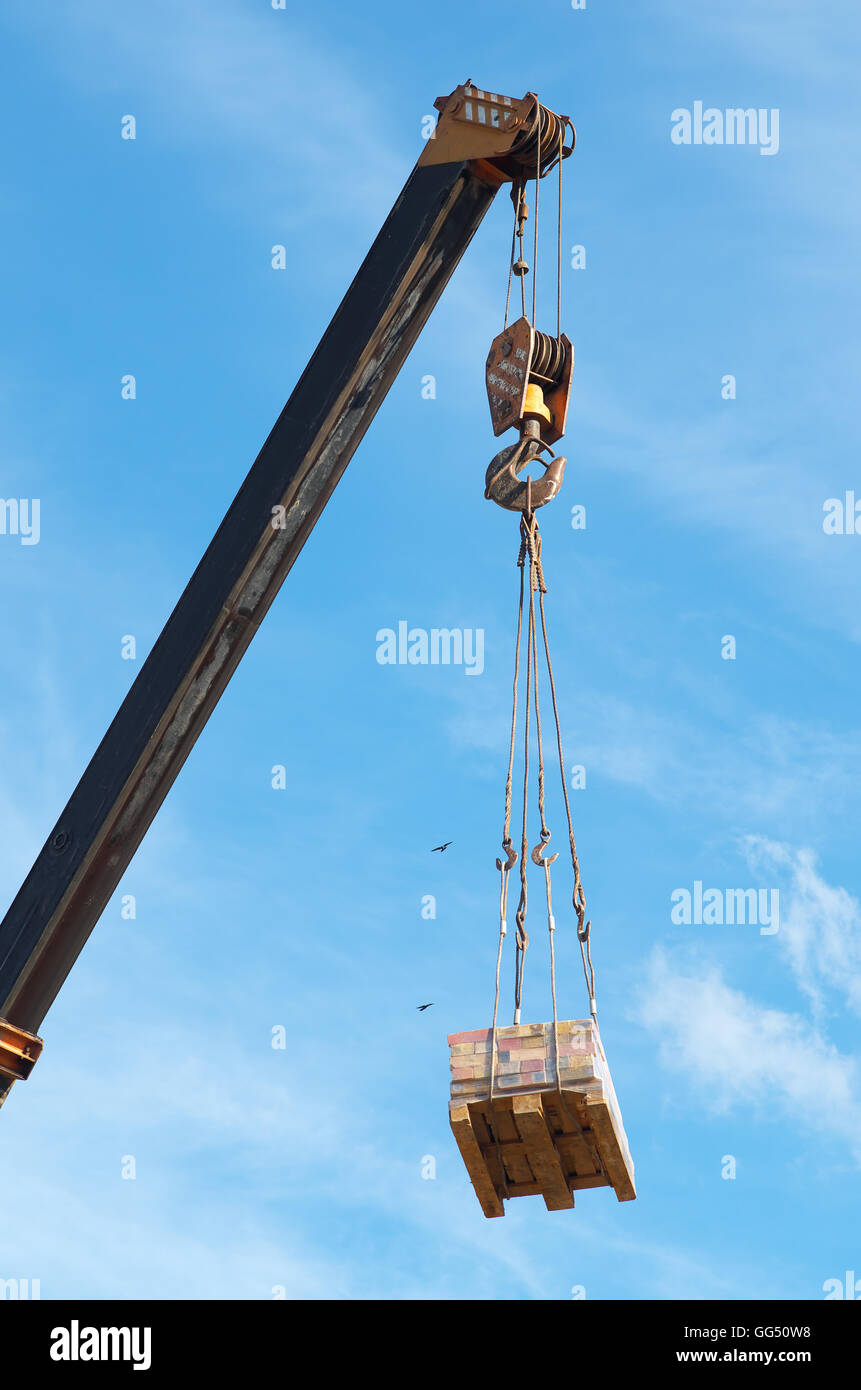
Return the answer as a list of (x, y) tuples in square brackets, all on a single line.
[(531, 551)]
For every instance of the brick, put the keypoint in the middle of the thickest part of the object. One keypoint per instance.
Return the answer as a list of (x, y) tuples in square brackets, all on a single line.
[(569, 1075), (523, 1084), (532, 1064), (477, 1035), (462, 1073), (463, 1049)]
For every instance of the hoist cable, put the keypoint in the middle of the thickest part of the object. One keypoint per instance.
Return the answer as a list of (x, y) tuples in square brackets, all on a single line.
[(559, 244), (511, 261), (531, 542), (510, 856), (504, 870), (506, 828), (578, 897), (535, 233), (510, 273), (530, 550), (521, 941), (522, 276)]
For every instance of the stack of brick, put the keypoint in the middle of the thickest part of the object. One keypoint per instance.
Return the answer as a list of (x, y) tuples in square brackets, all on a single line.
[(525, 1060)]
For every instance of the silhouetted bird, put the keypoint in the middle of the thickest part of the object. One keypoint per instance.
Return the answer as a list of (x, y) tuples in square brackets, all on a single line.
[(424, 1006), (442, 847)]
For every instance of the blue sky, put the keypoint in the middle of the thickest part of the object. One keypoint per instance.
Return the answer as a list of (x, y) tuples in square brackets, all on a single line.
[(302, 1168)]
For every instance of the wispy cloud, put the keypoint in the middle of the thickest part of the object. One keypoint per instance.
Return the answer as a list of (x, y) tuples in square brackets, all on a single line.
[(755, 767), (737, 1053), (820, 930)]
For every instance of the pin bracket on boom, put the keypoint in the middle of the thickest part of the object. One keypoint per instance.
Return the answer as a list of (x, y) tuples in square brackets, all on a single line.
[(19, 1051), (510, 133)]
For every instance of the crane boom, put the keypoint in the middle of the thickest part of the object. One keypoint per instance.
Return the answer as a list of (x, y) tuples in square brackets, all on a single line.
[(481, 141)]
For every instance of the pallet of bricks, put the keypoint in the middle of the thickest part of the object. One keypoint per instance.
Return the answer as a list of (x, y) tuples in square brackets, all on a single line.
[(528, 1139)]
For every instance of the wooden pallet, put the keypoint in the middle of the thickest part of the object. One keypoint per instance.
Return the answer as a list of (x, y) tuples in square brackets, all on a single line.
[(530, 1141)]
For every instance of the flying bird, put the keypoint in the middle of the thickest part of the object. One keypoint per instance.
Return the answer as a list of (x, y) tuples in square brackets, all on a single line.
[(442, 847), (424, 1006)]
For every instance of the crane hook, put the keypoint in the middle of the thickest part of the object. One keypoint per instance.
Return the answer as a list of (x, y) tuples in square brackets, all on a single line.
[(503, 486), (539, 852), (512, 856)]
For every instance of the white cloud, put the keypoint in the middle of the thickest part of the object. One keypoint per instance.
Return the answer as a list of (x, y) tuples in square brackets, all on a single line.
[(821, 929), (738, 1053), (751, 767)]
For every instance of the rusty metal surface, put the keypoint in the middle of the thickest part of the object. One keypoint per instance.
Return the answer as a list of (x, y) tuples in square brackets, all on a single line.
[(514, 355), (514, 133), (506, 374), (504, 486), (19, 1052), (558, 395), (475, 124)]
